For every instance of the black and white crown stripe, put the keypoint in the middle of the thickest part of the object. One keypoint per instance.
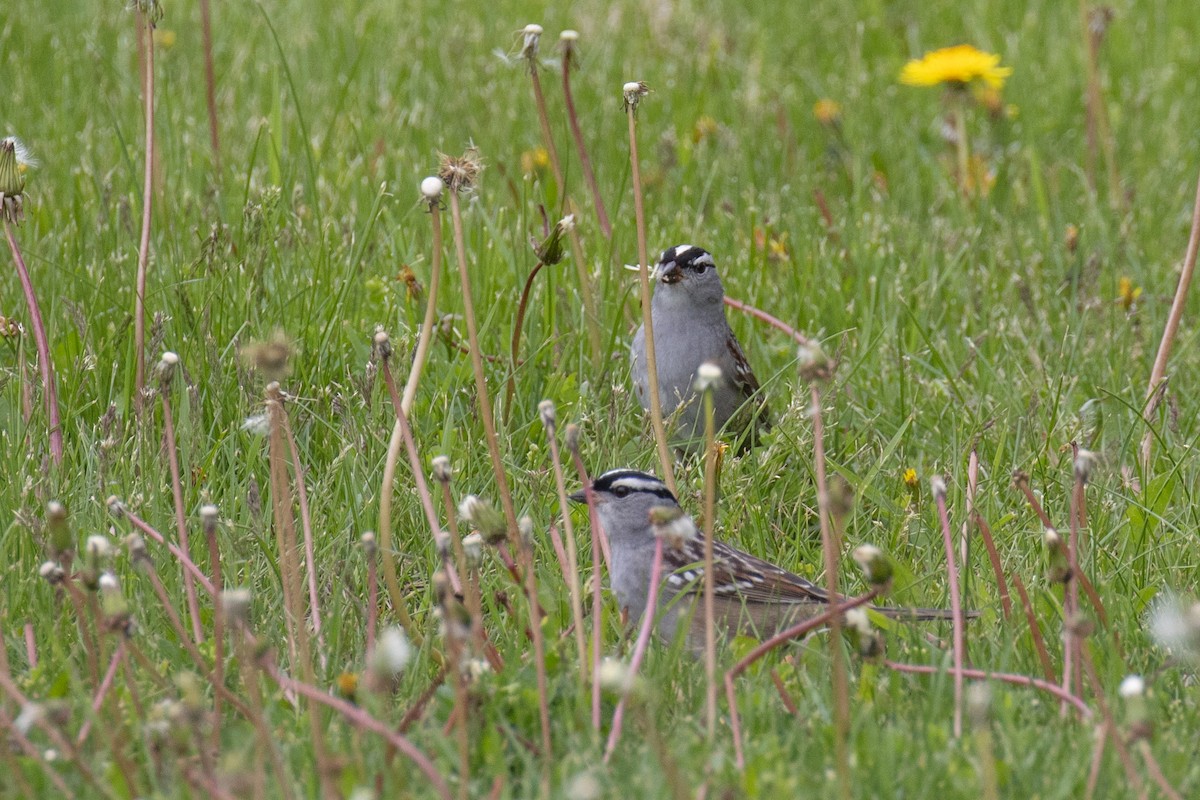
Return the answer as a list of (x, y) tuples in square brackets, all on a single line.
[(626, 481), (687, 257)]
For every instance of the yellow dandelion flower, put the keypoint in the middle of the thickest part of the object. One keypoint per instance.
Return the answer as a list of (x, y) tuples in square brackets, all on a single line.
[(164, 38), (958, 65), (1127, 293), (705, 128), (534, 161), (827, 112), (910, 478)]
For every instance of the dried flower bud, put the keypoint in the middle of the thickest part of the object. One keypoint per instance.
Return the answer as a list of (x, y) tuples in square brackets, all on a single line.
[(52, 572), (369, 545), (708, 377), (812, 363), (382, 344), (13, 159), (572, 438), (863, 634), (1058, 568), (441, 541), (115, 506), (616, 676), (483, 517), (633, 92), (525, 528), (568, 44), (209, 516), (165, 369), (136, 546), (235, 605), (1086, 462), (532, 35), (61, 541), (548, 414), (461, 173), (473, 550), (876, 566), (551, 250), (98, 547), (442, 473)]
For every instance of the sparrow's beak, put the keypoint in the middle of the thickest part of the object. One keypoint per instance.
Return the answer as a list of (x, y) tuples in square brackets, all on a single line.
[(669, 273), (578, 497)]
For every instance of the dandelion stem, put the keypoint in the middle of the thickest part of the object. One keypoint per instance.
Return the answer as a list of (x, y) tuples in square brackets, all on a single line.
[(597, 608), (1159, 371), (42, 342), (189, 586), (639, 649), (956, 612), (572, 555), (584, 160), (146, 24), (710, 509), (656, 416), (210, 83), (485, 404), (830, 547)]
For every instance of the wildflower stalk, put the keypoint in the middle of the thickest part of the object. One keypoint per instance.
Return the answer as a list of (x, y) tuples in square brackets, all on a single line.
[(773, 321), (1050, 687), (101, 692), (1093, 23), (1110, 722), (208, 519), (710, 509), (293, 588), (530, 50), (972, 487), (639, 649), (471, 592), (989, 543), (383, 348), (634, 92), (244, 645), (210, 83), (962, 147), (40, 340), (835, 611), (830, 548), (515, 346), (146, 22), (1159, 370), (550, 421), (118, 509), (310, 561), (956, 613), (597, 609), (431, 191), (166, 372), (567, 45), (482, 398), (525, 542), (1035, 630)]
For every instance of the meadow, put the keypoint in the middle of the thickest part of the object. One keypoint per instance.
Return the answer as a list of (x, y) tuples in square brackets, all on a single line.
[(988, 274)]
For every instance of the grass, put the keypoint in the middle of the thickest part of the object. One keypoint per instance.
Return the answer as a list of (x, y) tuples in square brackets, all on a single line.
[(954, 324)]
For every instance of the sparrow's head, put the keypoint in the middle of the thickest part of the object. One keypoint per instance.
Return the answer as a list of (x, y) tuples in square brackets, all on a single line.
[(624, 499), (688, 271)]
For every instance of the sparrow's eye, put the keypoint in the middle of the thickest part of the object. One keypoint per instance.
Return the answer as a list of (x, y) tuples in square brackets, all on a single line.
[(699, 268), (621, 491)]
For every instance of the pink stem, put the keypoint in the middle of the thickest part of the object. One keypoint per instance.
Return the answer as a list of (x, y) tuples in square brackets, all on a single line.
[(30, 646), (361, 719), (189, 586), (559, 551), (775, 641), (309, 547), (1019, 680), (101, 692), (139, 317), (183, 557), (956, 612), (774, 322), (43, 348), (597, 539), (639, 649)]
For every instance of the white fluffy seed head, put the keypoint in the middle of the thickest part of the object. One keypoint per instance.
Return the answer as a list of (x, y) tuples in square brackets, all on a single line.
[(432, 187), (569, 35), (98, 546), (392, 652), (109, 583), (1132, 686), (708, 377)]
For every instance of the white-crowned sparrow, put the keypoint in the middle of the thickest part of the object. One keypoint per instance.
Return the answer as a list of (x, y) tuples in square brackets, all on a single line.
[(751, 596), (688, 315)]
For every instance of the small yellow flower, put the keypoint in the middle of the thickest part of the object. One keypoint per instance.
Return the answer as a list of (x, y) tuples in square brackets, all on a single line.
[(164, 38), (347, 685), (910, 478), (1127, 293), (827, 112), (958, 65), (704, 128), (535, 161)]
